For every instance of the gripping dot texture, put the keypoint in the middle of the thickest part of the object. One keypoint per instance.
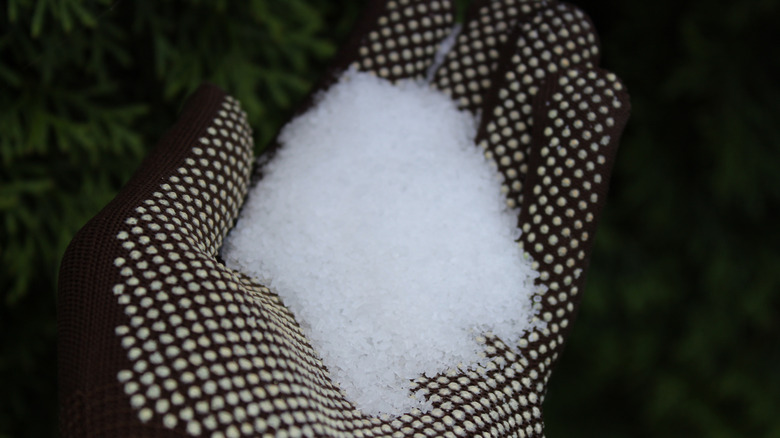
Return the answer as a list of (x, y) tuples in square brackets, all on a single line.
[(555, 39), (467, 71), (404, 40)]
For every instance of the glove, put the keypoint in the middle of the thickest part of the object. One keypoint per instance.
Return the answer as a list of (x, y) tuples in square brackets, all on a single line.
[(158, 338)]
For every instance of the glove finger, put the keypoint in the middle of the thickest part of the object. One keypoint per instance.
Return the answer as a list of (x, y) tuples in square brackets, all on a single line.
[(395, 39), (555, 39), (468, 70), (579, 116)]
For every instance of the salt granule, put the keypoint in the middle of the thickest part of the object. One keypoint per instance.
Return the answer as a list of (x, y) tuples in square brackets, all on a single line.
[(445, 47), (382, 227)]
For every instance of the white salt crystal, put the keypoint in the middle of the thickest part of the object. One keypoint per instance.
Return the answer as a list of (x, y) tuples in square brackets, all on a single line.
[(382, 227), (446, 45)]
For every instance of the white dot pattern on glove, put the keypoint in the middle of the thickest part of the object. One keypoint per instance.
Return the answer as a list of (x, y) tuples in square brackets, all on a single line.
[(569, 171), (554, 40), (466, 72), (405, 38)]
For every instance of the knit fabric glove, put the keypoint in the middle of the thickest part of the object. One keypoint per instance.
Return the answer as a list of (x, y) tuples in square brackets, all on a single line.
[(158, 338)]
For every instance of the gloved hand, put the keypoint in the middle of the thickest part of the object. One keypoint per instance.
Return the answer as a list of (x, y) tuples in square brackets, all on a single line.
[(158, 338)]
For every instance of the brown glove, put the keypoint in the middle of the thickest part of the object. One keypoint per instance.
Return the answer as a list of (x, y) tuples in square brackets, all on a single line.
[(158, 338)]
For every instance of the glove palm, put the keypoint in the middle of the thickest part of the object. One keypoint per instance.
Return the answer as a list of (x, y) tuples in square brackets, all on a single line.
[(159, 338)]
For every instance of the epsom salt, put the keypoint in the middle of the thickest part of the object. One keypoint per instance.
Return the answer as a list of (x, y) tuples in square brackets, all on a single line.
[(382, 227)]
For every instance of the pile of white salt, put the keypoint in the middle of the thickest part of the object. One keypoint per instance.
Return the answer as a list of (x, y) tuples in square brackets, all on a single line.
[(382, 227)]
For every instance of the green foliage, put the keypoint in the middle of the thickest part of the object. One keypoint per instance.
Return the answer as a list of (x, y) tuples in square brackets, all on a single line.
[(677, 333)]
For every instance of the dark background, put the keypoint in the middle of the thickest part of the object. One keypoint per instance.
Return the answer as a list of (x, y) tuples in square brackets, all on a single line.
[(678, 332)]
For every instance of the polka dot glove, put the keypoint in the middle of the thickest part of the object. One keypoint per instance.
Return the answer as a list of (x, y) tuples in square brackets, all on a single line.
[(158, 338)]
